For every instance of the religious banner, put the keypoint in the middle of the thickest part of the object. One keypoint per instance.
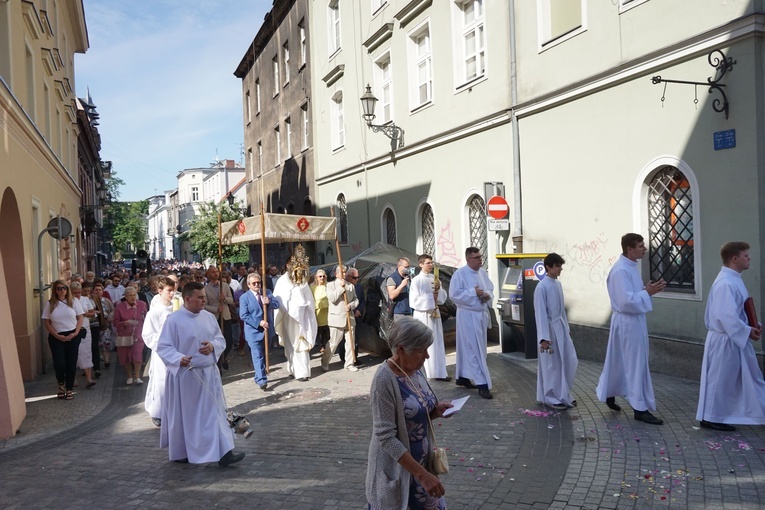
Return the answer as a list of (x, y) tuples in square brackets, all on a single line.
[(280, 228)]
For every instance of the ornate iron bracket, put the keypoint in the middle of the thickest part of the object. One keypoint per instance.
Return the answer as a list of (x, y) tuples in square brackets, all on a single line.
[(392, 131), (722, 65)]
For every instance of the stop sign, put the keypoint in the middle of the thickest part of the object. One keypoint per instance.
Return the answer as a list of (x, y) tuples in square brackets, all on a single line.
[(497, 207)]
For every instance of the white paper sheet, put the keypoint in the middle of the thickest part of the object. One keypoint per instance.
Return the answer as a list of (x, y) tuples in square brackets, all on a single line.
[(457, 403)]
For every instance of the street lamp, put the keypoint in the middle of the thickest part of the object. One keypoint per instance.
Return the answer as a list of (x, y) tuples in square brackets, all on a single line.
[(240, 210), (392, 131)]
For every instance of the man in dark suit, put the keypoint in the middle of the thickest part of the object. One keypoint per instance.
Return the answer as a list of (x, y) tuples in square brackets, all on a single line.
[(251, 307)]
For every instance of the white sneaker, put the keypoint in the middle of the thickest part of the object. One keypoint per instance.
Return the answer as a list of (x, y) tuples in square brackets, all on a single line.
[(129, 381), (138, 380), (351, 368)]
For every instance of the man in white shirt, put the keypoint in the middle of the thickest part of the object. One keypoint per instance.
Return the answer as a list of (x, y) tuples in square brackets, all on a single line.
[(732, 387), (472, 292), (425, 294), (194, 424), (625, 371), (557, 361)]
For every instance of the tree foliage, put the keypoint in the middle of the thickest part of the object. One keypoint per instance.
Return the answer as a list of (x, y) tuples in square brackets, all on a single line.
[(127, 223), (203, 233)]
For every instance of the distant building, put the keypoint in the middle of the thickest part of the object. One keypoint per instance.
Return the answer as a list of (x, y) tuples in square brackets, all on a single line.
[(276, 88), (180, 206), (39, 180)]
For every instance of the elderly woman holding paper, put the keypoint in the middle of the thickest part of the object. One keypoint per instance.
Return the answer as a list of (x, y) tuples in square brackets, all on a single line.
[(401, 468)]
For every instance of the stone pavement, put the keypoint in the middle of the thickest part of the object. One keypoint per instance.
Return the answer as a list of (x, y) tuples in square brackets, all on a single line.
[(310, 445)]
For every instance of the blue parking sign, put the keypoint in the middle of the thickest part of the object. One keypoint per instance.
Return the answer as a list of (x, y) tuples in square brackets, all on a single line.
[(539, 270)]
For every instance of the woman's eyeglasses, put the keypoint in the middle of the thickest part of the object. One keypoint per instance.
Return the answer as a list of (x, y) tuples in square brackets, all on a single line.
[(60, 288)]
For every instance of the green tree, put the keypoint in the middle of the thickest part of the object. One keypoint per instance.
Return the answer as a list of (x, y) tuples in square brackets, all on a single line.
[(127, 223), (203, 233)]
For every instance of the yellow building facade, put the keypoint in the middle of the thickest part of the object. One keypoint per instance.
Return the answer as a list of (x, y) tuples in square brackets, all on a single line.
[(38, 179)]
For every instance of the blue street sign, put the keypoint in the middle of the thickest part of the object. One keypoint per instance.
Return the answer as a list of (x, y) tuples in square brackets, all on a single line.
[(540, 271), (725, 139)]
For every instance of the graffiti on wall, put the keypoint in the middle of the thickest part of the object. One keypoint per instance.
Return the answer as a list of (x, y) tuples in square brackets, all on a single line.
[(592, 256), (447, 251)]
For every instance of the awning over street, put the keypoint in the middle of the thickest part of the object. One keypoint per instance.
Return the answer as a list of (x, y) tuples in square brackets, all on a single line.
[(280, 228)]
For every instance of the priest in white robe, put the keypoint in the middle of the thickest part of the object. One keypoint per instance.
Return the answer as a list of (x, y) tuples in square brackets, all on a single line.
[(295, 319), (424, 298), (160, 309), (557, 361), (732, 387), (472, 292), (625, 371), (194, 424)]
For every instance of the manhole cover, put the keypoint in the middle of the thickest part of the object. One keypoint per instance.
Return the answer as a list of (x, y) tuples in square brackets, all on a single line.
[(298, 396), (585, 439)]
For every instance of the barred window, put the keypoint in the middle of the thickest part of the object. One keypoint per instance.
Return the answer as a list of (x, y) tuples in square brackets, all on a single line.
[(477, 225), (342, 219), (428, 227), (389, 222), (670, 229)]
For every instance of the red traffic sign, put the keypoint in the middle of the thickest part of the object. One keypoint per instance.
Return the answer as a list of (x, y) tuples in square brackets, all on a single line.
[(497, 207)]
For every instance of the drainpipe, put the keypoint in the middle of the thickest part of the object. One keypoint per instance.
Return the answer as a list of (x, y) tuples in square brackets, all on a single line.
[(517, 209)]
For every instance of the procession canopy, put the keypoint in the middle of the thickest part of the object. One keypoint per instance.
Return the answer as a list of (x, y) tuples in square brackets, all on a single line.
[(280, 228)]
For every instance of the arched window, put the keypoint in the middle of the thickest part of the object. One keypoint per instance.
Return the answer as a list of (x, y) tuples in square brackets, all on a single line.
[(291, 208), (307, 206), (428, 230), (389, 226), (477, 226), (342, 219), (670, 229)]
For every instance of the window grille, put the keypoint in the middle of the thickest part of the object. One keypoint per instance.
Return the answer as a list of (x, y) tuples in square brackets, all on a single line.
[(670, 227), (477, 219), (342, 218), (390, 227), (428, 231)]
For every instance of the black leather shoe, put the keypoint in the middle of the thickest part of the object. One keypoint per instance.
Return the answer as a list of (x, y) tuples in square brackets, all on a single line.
[(447, 379), (573, 403), (483, 393), (263, 386), (717, 426), (303, 379), (224, 365), (461, 381), (611, 403), (181, 461), (230, 458), (157, 422), (647, 417)]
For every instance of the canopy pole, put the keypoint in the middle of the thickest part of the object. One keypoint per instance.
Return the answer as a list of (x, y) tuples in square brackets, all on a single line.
[(345, 295), (221, 298), (263, 287)]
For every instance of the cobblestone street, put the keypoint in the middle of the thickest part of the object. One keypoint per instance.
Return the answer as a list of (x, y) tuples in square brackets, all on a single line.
[(310, 444)]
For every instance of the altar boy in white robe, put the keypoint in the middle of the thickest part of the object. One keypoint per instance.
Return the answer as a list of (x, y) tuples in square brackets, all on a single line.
[(425, 294), (472, 292), (194, 424), (557, 359), (732, 387), (625, 371), (160, 309)]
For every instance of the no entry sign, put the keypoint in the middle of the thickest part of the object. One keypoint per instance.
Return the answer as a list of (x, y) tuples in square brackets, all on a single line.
[(497, 207)]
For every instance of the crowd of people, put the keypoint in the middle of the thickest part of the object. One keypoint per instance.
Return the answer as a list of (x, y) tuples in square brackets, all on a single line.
[(186, 320)]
